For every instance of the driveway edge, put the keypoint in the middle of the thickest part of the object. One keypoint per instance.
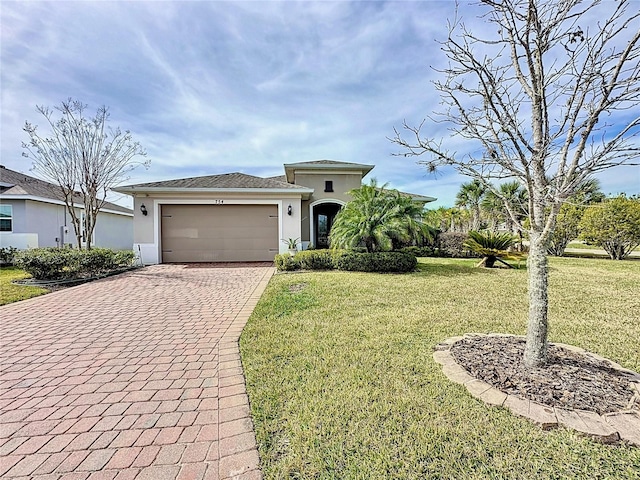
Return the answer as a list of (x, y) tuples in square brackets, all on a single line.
[(238, 450)]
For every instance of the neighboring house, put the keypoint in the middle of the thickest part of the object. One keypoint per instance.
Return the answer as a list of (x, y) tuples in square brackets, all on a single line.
[(33, 214), (236, 217)]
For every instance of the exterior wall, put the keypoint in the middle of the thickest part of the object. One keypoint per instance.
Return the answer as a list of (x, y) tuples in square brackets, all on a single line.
[(45, 219), (147, 229), (41, 222), (306, 219), (342, 183), (114, 231)]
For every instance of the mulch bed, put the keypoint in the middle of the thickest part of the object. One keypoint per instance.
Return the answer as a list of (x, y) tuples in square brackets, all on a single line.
[(571, 380)]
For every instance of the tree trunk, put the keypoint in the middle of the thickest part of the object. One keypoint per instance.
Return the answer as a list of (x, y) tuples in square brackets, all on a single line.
[(535, 352)]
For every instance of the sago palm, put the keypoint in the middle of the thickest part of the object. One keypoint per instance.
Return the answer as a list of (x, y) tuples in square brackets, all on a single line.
[(492, 245)]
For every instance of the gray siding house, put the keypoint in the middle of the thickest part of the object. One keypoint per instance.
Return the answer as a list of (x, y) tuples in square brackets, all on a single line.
[(236, 217), (33, 214)]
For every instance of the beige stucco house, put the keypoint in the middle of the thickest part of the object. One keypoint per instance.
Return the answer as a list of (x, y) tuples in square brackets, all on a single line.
[(236, 217)]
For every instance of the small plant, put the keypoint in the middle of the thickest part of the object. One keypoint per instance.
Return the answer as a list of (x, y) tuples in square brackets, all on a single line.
[(291, 243), (493, 246)]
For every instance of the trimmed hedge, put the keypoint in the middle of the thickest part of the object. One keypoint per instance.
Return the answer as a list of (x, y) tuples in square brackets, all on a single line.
[(347, 260), (399, 262), (66, 263)]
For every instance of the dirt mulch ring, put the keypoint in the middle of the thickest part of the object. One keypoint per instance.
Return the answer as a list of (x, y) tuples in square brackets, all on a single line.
[(571, 380)]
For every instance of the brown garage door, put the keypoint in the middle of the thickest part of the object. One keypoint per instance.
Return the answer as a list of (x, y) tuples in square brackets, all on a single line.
[(219, 233)]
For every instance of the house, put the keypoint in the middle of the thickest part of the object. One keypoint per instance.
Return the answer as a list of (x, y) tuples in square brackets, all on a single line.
[(33, 214), (237, 217)]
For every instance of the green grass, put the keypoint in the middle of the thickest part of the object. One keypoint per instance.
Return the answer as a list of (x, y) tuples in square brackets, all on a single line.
[(10, 292), (343, 385), (583, 246)]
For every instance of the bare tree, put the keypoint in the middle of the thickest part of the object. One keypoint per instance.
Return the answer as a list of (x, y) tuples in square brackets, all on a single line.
[(84, 157), (550, 99)]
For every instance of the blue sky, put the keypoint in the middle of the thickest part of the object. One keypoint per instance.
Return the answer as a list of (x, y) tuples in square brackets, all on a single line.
[(216, 87)]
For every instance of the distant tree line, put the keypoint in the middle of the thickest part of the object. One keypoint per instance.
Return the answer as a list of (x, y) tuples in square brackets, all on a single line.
[(610, 223)]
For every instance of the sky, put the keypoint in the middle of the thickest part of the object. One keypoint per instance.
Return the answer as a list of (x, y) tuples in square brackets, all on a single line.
[(211, 87)]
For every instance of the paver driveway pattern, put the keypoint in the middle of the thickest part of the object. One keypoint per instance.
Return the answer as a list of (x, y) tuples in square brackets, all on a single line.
[(136, 376)]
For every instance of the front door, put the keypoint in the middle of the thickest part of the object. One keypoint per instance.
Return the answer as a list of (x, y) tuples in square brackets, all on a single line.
[(324, 215)]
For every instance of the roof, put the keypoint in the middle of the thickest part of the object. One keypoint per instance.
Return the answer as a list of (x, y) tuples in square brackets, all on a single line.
[(319, 165), (225, 182), (14, 183)]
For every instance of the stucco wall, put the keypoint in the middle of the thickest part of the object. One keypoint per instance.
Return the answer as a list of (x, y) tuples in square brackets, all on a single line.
[(45, 219), (342, 183), (147, 229)]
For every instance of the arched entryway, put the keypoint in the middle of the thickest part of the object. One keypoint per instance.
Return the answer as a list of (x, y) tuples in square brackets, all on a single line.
[(322, 214)]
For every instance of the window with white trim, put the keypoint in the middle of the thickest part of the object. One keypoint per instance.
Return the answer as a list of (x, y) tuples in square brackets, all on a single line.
[(6, 218)]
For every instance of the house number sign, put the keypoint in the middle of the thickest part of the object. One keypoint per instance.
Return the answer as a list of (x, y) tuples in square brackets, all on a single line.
[(218, 202)]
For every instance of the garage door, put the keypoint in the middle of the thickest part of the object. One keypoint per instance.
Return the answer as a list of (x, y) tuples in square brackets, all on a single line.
[(219, 233)]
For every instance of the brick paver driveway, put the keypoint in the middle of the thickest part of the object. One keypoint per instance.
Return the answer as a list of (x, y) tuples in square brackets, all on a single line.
[(134, 376)]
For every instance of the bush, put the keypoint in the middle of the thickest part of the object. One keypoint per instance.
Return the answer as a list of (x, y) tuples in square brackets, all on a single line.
[(315, 259), (376, 262), (451, 244), (286, 263), (347, 260), (66, 263), (7, 255), (614, 225)]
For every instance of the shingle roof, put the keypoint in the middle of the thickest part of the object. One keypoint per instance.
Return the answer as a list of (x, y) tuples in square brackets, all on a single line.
[(227, 181), (16, 183)]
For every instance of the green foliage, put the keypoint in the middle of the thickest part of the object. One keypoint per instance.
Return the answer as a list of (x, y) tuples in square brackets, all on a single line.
[(451, 244), (286, 263), (376, 218), (566, 228), (67, 263), (7, 255), (316, 259), (614, 225), (400, 262), (291, 243), (470, 196), (491, 245), (347, 260)]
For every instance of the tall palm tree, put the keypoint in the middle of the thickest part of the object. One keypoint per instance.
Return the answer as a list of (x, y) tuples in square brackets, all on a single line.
[(470, 196), (375, 218)]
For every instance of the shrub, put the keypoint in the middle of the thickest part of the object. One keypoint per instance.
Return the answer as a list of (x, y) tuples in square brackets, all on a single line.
[(7, 255), (451, 244), (376, 262), (285, 262), (315, 259), (66, 263), (614, 225)]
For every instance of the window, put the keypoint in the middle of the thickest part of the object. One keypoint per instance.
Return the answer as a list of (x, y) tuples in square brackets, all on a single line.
[(6, 218), (328, 186)]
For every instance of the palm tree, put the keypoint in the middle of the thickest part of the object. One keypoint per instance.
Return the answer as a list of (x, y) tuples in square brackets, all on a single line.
[(376, 217), (470, 196)]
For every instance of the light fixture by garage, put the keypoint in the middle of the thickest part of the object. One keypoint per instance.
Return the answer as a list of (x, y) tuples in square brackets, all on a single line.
[(289, 210), (143, 209)]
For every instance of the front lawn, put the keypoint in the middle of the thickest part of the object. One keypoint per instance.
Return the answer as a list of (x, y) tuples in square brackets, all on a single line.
[(10, 292), (342, 382)]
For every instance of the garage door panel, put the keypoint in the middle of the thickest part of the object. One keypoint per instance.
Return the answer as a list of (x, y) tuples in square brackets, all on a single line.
[(219, 233)]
